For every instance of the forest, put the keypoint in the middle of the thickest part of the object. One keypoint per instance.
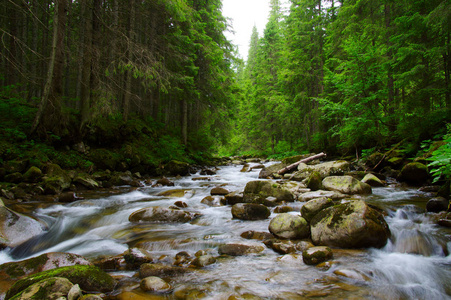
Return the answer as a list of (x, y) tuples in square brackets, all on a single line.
[(158, 80)]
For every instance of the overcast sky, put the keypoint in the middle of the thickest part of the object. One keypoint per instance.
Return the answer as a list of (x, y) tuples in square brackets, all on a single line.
[(244, 14)]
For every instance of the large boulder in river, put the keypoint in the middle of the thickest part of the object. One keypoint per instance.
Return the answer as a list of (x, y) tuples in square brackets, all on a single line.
[(289, 226), (258, 192), (175, 167), (250, 211), (16, 228), (414, 173), (346, 185), (330, 168), (314, 206), (50, 289), (349, 225), (89, 278), (160, 214), (268, 171)]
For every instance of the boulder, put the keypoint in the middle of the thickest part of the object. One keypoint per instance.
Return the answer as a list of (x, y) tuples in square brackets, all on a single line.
[(280, 246), (16, 228), (239, 249), (50, 289), (160, 214), (319, 194), (164, 182), (414, 173), (118, 179), (346, 185), (44, 262), (289, 226), (135, 257), (211, 201), (234, 198), (312, 207), (330, 168), (257, 192), (89, 278), (177, 193), (349, 225), (207, 172), (316, 255), (250, 211), (33, 174), (256, 235), (85, 181), (267, 172), (13, 166), (154, 284), (372, 180), (175, 167), (437, 204), (203, 261), (314, 181)]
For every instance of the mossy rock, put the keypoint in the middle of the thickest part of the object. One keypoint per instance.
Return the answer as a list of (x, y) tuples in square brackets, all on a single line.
[(314, 181), (316, 255), (250, 211), (175, 167), (89, 278), (289, 226), (267, 172), (414, 173), (257, 191), (33, 174), (346, 185), (314, 206), (50, 289), (105, 159)]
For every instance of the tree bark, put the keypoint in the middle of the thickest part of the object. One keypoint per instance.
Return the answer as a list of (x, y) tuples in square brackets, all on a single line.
[(305, 160)]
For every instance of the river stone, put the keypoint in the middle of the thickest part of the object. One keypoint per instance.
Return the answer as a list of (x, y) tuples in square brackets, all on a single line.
[(234, 198), (219, 191), (211, 201), (250, 211), (289, 226), (16, 228), (89, 278), (44, 262), (207, 172), (280, 246), (283, 209), (256, 235), (330, 168), (177, 193), (257, 192), (349, 225), (33, 174), (372, 180), (437, 204), (414, 173), (49, 289), (314, 206), (267, 172), (334, 195), (148, 269), (154, 284), (203, 261), (74, 293), (160, 214), (314, 181), (239, 249), (346, 185), (56, 179), (164, 182), (316, 255), (86, 181)]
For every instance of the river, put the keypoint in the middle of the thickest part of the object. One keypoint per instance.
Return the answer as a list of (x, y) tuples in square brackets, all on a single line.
[(415, 264)]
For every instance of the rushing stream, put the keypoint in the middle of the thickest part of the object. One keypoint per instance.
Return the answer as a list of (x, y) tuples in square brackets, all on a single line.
[(415, 264)]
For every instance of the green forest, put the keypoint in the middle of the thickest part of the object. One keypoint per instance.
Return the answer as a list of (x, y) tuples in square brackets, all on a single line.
[(139, 83)]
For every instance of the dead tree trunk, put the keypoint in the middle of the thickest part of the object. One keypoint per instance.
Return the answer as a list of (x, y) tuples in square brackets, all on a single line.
[(305, 160)]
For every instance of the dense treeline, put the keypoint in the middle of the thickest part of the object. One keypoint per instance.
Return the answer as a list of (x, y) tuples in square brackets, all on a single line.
[(344, 76), (73, 65)]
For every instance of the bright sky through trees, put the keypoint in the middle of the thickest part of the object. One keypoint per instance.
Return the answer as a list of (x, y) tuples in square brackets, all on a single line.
[(245, 14)]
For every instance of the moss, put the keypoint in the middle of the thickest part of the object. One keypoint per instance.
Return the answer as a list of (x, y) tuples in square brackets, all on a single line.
[(90, 278)]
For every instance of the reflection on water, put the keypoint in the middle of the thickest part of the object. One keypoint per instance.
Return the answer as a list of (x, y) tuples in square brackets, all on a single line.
[(413, 265)]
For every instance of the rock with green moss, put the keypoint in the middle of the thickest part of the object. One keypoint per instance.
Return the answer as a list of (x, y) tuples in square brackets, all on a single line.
[(239, 249), (44, 262), (267, 172), (289, 226), (257, 192), (89, 278), (314, 206), (414, 173), (316, 255), (33, 174), (175, 167), (314, 181), (56, 179), (50, 289), (154, 284), (346, 185), (250, 211), (349, 225), (16, 228), (105, 159), (372, 180), (330, 168), (85, 181)]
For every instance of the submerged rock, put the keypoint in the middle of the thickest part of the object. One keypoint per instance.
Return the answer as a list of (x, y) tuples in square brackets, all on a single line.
[(159, 214), (350, 225), (160, 270), (289, 226)]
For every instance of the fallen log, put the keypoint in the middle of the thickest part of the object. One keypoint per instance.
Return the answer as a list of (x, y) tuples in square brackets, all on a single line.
[(305, 160)]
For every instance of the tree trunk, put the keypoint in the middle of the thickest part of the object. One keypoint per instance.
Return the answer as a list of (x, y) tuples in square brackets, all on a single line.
[(128, 75), (184, 121), (305, 160)]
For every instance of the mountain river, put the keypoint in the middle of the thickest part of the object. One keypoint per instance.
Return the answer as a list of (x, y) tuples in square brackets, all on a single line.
[(415, 263)]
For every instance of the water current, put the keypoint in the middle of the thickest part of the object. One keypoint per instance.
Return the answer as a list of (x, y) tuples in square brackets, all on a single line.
[(415, 263)]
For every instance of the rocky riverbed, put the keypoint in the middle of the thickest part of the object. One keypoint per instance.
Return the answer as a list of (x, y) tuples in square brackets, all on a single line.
[(240, 231)]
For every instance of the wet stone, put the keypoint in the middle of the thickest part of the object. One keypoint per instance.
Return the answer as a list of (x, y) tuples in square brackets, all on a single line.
[(239, 249), (256, 235), (316, 255), (154, 284)]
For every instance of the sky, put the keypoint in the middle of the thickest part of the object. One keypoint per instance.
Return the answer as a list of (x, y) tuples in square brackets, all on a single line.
[(245, 14)]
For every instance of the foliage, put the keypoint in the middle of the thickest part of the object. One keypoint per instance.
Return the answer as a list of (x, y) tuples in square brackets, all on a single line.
[(441, 159)]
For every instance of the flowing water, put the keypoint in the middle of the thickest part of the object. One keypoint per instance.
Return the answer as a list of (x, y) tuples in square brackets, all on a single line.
[(415, 264)]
